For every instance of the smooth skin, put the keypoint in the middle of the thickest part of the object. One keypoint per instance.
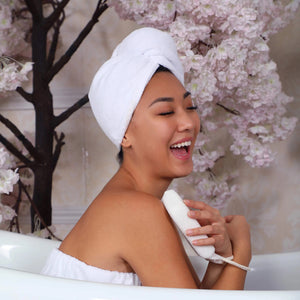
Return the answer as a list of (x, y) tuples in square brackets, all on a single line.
[(127, 229)]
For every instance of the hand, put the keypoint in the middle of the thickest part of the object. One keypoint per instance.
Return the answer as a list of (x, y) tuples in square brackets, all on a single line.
[(213, 225)]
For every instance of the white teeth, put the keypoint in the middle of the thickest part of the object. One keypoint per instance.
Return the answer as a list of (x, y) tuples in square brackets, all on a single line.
[(184, 144)]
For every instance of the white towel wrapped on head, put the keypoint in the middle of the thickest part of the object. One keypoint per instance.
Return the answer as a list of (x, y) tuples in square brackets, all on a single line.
[(120, 82)]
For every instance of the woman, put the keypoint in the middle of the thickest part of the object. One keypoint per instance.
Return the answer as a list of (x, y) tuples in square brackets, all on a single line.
[(126, 235)]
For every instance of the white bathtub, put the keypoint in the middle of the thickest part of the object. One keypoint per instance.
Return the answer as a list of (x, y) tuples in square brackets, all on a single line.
[(276, 276)]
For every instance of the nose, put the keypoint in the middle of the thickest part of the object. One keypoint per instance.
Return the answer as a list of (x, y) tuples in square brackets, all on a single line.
[(187, 121)]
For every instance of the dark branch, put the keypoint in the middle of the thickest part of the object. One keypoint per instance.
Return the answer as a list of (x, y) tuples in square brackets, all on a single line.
[(57, 151), (15, 220), (52, 19), (20, 136), (67, 113), (101, 7), (36, 210), (35, 8), (12, 149), (232, 111), (52, 51), (24, 94)]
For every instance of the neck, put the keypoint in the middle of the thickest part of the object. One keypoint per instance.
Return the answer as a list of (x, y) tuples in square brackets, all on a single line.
[(143, 182)]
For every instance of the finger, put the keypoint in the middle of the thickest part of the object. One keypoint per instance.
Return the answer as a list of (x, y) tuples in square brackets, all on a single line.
[(228, 219), (206, 217), (199, 205), (204, 242), (194, 204), (213, 229), (199, 230)]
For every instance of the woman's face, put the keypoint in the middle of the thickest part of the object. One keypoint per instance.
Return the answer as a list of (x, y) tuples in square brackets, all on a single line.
[(163, 128)]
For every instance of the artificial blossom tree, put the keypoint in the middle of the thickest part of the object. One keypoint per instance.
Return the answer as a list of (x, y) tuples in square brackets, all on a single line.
[(40, 23)]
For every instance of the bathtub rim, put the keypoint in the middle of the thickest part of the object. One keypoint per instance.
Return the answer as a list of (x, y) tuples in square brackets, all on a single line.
[(10, 279)]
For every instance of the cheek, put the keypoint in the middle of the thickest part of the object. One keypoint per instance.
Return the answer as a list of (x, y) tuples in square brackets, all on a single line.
[(197, 124), (159, 135), (154, 136)]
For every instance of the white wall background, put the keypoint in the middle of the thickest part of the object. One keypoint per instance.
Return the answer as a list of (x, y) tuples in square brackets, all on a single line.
[(270, 198)]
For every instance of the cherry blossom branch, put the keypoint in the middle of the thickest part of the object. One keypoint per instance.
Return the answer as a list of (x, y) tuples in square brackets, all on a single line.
[(100, 8), (20, 136), (67, 113), (232, 111)]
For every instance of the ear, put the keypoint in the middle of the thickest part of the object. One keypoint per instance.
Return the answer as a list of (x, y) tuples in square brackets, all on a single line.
[(126, 142)]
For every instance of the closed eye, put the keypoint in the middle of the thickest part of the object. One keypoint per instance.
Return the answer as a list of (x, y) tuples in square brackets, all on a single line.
[(166, 113), (192, 107)]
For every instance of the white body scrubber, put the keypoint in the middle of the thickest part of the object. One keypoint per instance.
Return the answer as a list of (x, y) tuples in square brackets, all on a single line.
[(178, 212)]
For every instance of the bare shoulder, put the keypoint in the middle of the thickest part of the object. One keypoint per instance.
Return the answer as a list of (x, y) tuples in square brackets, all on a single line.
[(141, 205), (130, 210), (151, 244), (141, 212), (125, 212)]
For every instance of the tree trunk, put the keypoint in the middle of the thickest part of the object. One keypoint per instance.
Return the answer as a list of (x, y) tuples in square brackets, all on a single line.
[(44, 131), (44, 169)]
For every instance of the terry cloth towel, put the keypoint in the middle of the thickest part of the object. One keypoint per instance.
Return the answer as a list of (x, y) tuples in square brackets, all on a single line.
[(63, 265), (119, 83)]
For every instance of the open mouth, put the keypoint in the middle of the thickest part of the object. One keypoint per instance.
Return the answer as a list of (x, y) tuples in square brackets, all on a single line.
[(181, 150)]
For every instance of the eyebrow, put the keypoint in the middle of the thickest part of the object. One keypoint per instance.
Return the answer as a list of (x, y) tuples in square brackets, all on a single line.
[(168, 99)]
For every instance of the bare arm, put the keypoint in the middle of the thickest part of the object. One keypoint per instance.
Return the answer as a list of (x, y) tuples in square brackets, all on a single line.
[(153, 248), (229, 235), (232, 277)]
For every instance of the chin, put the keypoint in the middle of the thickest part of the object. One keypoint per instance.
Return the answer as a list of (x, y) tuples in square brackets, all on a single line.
[(183, 171)]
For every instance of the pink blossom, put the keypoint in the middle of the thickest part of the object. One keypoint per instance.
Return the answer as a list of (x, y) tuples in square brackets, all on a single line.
[(13, 28), (44, 233), (6, 213), (185, 28), (12, 74), (206, 160), (214, 192), (285, 127), (5, 16), (6, 160), (7, 179)]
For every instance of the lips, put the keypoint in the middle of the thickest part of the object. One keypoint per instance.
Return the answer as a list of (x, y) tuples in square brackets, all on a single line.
[(182, 149)]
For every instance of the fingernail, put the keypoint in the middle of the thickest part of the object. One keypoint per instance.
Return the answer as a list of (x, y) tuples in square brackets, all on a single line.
[(189, 232), (191, 213), (186, 202)]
